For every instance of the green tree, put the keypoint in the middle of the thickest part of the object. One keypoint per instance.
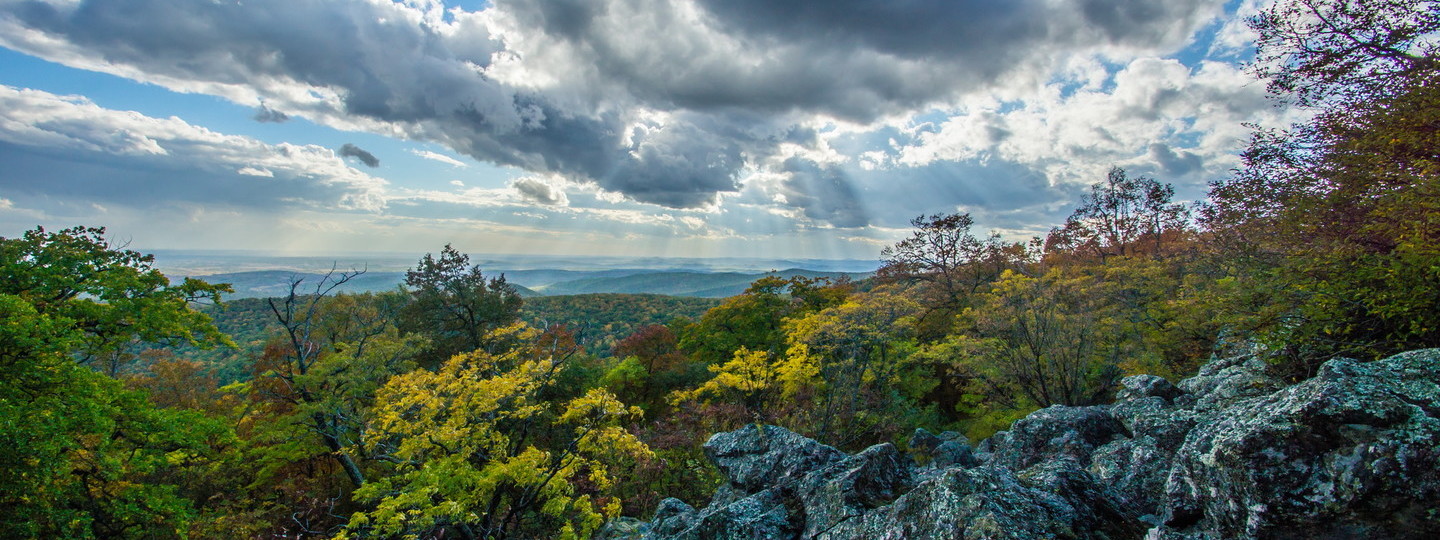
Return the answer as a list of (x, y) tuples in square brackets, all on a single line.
[(844, 378), (851, 365), (86, 458), (1337, 54), (114, 296), (651, 366), (1120, 217), (754, 320), (316, 383), (1052, 339), (1333, 222), (950, 265), (456, 306)]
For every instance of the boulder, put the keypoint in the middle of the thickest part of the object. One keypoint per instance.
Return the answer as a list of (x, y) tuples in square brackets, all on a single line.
[(1137, 467), (1145, 386), (1230, 453), (756, 457), (1056, 431), (672, 517), (869, 479), (623, 528), (1225, 381), (954, 454), (1352, 453), (936, 452), (987, 502), (761, 516)]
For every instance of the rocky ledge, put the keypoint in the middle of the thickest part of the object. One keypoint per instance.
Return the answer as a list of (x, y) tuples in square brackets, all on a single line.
[(1231, 453)]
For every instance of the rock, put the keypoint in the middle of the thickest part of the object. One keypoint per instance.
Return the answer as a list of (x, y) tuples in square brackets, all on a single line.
[(948, 449), (1095, 510), (754, 458), (1352, 453), (762, 516), (1153, 417), (1056, 431), (623, 528), (726, 494), (672, 517), (1231, 453), (923, 441), (1144, 386), (763, 466), (869, 479), (954, 454), (983, 502), (1137, 467), (1226, 381)]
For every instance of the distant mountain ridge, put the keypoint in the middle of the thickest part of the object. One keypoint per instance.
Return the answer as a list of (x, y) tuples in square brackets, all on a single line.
[(685, 283), (531, 283)]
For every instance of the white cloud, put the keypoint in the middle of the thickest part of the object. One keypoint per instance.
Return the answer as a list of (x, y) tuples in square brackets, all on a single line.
[(61, 143), (1154, 114), (256, 171), (442, 158), (1235, 38)]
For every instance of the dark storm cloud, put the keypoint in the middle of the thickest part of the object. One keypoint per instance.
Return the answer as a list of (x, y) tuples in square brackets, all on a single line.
[(350, 150), (981, 32), (856, 59), (387, 68), (733, 82), (999, 193)]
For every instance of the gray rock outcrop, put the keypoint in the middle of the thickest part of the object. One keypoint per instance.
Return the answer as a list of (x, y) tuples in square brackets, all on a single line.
[(1353, 452)]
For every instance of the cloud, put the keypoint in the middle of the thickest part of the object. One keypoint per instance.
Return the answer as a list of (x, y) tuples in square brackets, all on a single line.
[(256, 171), (442, 158), (825, 193), (1175, 163), (667, 102), (1153, 115), (350, 150), (854, 59), (266, 114), (539, 191), (66, 148)]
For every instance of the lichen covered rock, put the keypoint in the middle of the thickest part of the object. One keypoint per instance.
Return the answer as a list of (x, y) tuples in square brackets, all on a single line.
[(872, 478), (755, 457), (1056, 431), (1353, 452), (1231, 453)]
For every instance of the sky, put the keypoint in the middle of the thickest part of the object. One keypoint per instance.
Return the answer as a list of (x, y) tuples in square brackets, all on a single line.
[(680, 128)]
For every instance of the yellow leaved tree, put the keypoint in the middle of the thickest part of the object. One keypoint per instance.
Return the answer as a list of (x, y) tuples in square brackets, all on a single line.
[(489, 447)]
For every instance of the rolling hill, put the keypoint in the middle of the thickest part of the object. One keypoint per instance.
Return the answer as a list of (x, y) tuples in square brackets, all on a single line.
[(531, 283), (694, 284)]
